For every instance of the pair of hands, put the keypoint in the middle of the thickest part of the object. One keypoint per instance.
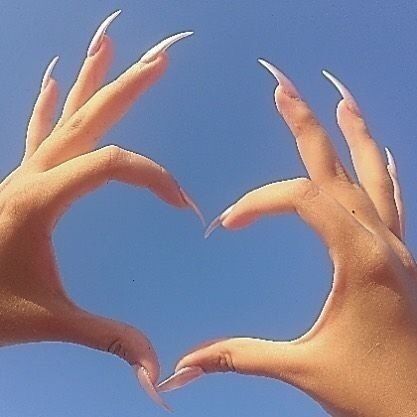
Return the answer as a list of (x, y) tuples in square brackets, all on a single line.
[(359, 358)]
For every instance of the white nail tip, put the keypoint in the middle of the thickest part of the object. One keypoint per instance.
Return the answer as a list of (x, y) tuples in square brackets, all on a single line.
[(180, 378), (101, 31), (271, 68), (217, 222), (343, 90), (145, 381), (193, 206), (282, 79), (391, 161), (162, 46), (48, 73)]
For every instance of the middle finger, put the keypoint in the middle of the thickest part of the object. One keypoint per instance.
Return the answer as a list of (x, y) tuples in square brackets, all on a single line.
[(82, 131), (314, 145)]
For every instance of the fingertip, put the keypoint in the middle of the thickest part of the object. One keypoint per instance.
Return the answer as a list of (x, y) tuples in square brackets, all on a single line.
[(106, 49), (283, 101)]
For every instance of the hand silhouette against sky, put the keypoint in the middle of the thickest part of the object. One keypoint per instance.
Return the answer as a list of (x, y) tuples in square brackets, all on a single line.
[(359, 358), (61, 164)]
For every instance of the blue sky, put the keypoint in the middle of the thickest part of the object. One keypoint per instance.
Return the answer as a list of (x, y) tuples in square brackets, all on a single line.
[(212, 123)]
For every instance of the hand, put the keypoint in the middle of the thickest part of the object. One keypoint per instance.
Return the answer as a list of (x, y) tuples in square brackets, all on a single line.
[(59, 166), (359, 358)]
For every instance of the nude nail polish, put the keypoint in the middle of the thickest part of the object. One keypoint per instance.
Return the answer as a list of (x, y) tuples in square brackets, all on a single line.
[(145, 381), (391, 162), (48, 73), (193, 206), (286, 84), (344, 92), (162, 46), (180, 378), (217, 222), (99, 35)]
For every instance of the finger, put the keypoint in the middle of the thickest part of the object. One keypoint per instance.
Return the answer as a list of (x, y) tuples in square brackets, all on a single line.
[(81, 175), (119, 339), (41, 121), (314, 145), (280, 360), (341, 235), (82, 131), (392, 170), (93, 70), (368, 160)]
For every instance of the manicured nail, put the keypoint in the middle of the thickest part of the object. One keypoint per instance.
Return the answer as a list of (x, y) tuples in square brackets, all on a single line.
[(391, 162), (181, 378), (193, 206), (145, 381), (99, 35), (285, 83), (217, 222), (163, 46), (393, 173), (344, 92), (48, 73)]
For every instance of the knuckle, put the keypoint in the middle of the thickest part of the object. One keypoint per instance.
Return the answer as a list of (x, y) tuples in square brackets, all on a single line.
[(303, 120), (224, 361), (114, 156), (306, 189), (74, 124)]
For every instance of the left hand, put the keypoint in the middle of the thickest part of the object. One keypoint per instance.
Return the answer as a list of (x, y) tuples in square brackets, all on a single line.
[(61, 164)]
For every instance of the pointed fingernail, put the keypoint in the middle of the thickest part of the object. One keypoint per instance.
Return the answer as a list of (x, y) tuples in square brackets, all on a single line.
[(48, 73), (145, 381), (163, 46), (193, 206), (344, 92), (101, 31), (391, 162), (180, 378), (286, 84), (217, 222)]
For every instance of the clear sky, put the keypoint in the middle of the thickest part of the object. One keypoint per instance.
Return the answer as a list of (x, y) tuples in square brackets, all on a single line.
[(212, 123)]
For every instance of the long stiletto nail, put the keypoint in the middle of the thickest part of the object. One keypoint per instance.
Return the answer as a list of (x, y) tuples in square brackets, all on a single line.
[(162, 46), (193, 206), (217, 222), (100, 32), (48, 72), (145, 381), (180, 378), (344, 92), (287, 85)]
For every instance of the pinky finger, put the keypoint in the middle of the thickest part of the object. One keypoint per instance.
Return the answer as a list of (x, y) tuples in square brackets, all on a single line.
[(41, 121), (393, 173)]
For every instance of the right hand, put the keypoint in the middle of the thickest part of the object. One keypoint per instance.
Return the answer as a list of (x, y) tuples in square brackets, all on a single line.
[(359, 358)]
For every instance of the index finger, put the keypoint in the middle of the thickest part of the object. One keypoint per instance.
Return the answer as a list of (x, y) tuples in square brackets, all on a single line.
[(82, 131), (314, 145)]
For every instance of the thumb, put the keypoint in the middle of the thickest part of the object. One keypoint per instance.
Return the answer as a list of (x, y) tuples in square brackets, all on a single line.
[(280, 360), (120, 339)]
